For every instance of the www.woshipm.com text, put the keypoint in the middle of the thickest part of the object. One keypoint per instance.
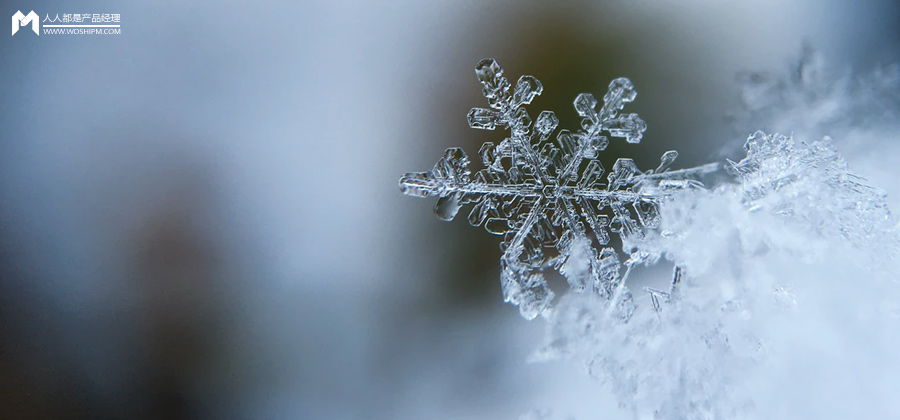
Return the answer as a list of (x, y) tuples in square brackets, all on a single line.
[(82, 31)]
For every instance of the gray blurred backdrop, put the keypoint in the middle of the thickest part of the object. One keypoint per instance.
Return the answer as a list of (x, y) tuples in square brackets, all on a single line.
[(199, 218)]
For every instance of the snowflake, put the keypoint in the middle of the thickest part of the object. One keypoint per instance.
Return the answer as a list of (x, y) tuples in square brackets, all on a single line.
[(543, 195)]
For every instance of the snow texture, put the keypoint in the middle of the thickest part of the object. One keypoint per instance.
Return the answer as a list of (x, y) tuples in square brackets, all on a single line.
[(543, 195)]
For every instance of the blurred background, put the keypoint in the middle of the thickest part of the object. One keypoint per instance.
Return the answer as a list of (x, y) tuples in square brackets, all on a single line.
[(199, 217)]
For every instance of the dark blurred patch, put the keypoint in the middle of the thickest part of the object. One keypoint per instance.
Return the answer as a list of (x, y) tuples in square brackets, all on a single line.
[(34, 382), (145, 346), (176, 274)]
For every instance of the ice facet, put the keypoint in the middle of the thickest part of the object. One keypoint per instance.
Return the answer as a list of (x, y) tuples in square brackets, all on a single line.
[(526, 89), (585, 104), (481, 118), (545, 124), (648, 212), (488, 71), (620, 91), (592, 174), (447, 207), (418, 184), (623, 172), (629, 126), (666, 160)]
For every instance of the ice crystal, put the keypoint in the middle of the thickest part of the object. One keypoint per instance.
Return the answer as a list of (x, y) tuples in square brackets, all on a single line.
[(547, 198)]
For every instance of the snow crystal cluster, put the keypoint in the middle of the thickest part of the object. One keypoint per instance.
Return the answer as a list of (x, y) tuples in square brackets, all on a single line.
[(783, 177), (544, 194)]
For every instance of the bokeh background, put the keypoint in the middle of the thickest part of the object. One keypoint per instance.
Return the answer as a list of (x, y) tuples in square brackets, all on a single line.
[(199, 218)]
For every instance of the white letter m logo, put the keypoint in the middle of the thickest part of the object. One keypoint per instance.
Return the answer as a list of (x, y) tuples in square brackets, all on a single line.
[(19, 19)]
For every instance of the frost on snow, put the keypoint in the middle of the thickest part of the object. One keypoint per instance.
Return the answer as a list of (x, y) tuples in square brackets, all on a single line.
[(547, 197)]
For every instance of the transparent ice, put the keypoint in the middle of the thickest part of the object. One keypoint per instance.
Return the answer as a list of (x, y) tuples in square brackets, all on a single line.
[(547, 195)]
